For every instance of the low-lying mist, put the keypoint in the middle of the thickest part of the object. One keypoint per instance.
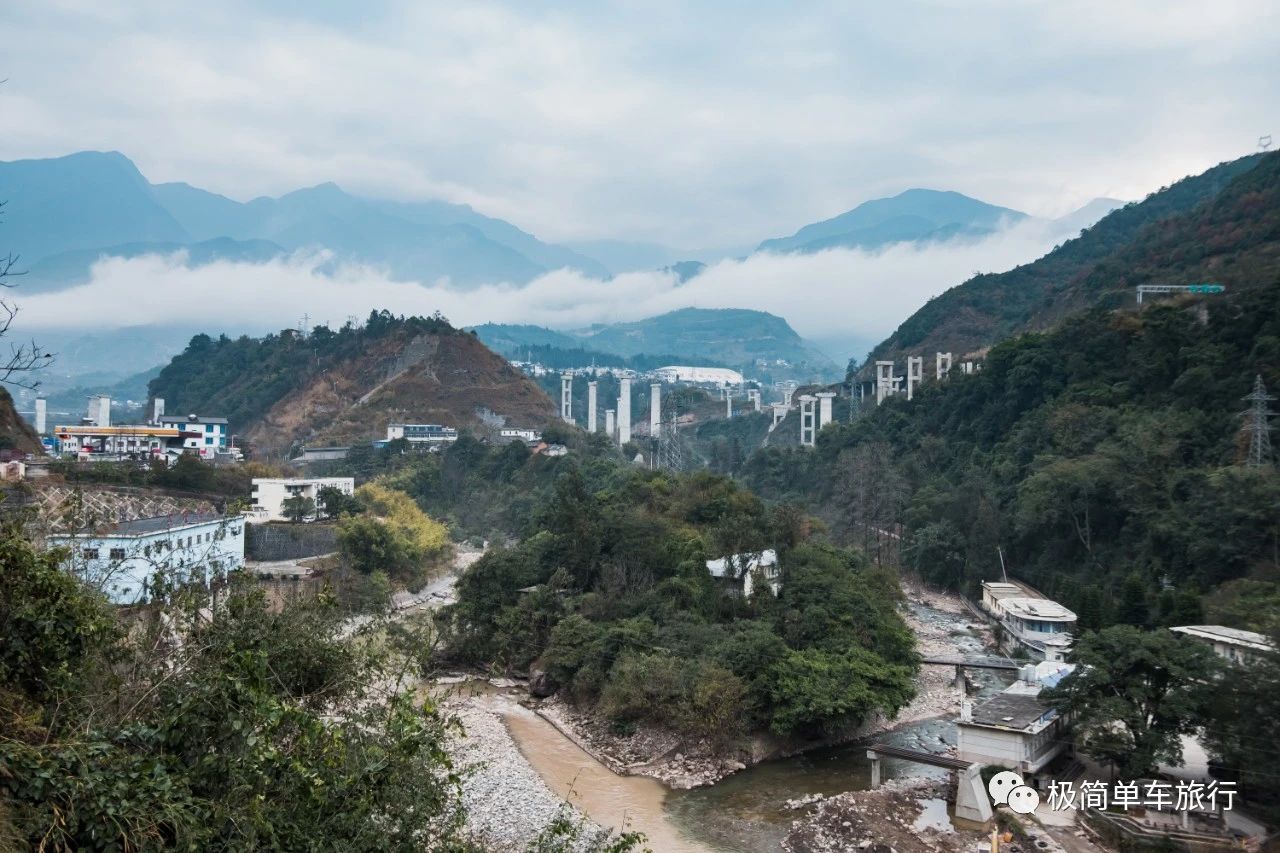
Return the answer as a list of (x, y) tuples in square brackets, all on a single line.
[(835, 295)]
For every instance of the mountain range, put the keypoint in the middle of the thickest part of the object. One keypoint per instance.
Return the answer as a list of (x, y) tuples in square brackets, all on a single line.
[(64, 213), (923, 216), (734, 337)]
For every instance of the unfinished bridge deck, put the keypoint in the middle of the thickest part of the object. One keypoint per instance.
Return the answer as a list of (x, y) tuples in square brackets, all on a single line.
[(947, 761), (972, 661)]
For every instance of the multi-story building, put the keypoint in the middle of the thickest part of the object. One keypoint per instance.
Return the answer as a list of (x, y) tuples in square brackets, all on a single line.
[(1041, 626), (270, 493), (421, 433), (134, 561), (206, 436)]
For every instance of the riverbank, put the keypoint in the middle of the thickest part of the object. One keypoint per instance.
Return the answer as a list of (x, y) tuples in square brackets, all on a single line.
[(942, 626), (508, 803), (905, 816)]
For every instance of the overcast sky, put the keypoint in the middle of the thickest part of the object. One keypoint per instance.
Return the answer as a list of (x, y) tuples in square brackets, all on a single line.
[(693, 124)]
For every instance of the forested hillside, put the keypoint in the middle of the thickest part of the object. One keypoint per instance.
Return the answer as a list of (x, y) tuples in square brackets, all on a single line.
[(1104, 458), (345, 386), (1221, 226)]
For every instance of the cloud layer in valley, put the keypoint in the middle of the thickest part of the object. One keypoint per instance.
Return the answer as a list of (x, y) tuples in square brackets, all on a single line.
[(830, 296)]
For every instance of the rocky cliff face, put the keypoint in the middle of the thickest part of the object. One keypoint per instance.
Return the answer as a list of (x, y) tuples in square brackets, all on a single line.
[(15, 432)]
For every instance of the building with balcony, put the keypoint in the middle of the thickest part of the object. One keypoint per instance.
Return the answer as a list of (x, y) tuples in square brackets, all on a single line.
[(269, 494), (1043, 628)]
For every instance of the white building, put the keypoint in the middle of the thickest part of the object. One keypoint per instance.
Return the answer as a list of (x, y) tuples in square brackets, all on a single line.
[(206, 436), (421, 433), (1041, 626), (1015, 729), (1233, 644), (126, 560), (270, 493), (699, 375), (738, 571), (514, 434)]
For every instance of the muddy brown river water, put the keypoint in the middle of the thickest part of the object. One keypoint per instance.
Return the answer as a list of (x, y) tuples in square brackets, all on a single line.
[(746, 811)]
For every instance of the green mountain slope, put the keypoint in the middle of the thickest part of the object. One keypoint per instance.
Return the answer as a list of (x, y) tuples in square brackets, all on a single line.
[(1220, 225), (1103, 458)]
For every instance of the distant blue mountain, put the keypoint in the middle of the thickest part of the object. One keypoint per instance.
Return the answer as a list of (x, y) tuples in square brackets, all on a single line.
[(81, 201), (915, 216), (100, 204)]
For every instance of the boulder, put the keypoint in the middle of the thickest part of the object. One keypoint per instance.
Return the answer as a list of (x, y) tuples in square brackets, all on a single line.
[(541, 684)]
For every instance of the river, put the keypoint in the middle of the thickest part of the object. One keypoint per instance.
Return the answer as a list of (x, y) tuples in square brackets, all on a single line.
[(746, 811)]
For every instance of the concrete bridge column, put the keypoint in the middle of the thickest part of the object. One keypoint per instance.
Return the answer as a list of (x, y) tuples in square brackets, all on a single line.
[(972, 802), (875, 768)]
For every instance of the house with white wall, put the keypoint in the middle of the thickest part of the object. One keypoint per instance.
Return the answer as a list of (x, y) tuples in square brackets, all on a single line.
[(738, 572), (208, 435), (270, 493), (133, 561), (1016, 728), (422, 433)]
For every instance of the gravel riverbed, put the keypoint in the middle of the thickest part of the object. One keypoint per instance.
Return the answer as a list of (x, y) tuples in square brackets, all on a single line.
[(508, 804)]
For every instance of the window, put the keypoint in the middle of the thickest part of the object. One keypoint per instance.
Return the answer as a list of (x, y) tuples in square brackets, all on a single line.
[(117, 553), (89, 553), (146, 550), (188, 541)]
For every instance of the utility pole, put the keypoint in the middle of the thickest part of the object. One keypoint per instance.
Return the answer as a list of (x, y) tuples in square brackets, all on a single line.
[(1257, 423)]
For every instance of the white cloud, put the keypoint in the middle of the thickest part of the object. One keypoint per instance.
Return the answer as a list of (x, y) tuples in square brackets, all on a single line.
[(839, 293), (691, 124)]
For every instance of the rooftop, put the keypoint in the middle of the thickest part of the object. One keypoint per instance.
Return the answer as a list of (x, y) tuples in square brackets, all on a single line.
[(144, 526), (747, 562), (1010, 710), (190, 419), (1232, 636), (1037, 608)]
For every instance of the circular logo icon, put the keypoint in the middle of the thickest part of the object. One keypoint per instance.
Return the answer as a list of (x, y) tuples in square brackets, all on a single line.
[(1024, 799)]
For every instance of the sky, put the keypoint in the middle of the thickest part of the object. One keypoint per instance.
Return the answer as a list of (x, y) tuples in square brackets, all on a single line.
[(695, 124)]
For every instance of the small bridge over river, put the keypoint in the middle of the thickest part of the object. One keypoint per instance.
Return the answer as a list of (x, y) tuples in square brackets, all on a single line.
[(973, 661), (972, 802)]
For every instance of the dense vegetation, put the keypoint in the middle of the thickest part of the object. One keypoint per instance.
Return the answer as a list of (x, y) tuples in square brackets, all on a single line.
[(242, 378), (609, 594), (1103, 458), (253, 730), (1223, 225)]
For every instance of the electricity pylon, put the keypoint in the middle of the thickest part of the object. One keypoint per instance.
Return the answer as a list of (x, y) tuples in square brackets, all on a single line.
[(1258, 424)]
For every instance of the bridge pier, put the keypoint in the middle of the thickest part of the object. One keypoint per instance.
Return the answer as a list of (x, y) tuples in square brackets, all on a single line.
[(972, 802), (875, 768), (960, 682)]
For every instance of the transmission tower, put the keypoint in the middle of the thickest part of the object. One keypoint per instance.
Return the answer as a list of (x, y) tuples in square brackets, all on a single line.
[(670, 455), (1258, 424)]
